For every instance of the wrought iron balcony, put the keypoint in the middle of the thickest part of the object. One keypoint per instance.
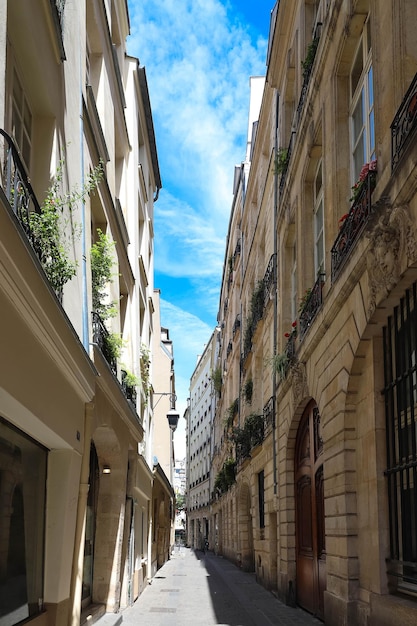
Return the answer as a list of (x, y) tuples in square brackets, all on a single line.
[(311, 306), (404, 124), (237, 251), (307, 69), (22, 200), (290, 347), (269, 416), (353, 225), (269, 279), (57, 8), (128, 390), (287, 161), (251, 435), (236, 324), (17, 188), (101, 338)]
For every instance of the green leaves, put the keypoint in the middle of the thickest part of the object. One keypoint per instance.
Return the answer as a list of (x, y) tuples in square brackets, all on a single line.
[(102, 263), (53, 229)]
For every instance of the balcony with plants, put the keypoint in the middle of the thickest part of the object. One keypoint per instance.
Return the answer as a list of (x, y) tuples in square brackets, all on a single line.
[(225, 478), (248, 437), (310, 305), (256, 311), (109, 343), (49, 227), (353, 223), (282, 361)]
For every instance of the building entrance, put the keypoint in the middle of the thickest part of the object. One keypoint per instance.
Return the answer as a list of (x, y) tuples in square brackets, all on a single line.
[(310, 533)]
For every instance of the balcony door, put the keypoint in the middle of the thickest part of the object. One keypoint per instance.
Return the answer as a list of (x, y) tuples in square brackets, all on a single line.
[(310, 534)]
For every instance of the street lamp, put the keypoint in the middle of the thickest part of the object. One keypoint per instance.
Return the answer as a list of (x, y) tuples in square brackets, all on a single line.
[(173, 417)]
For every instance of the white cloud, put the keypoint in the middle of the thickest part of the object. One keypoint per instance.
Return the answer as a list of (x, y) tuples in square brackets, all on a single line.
[(187, 244), (198, 65), (198, 60)]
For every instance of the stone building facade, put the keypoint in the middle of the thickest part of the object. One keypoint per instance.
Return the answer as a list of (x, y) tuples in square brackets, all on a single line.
[(316, 418), (199, 417), (79, 178)]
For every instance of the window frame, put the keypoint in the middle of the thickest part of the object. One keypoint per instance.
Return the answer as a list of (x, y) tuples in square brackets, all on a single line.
[(319, 234), (400, 396), (362, 95), (17, 115)]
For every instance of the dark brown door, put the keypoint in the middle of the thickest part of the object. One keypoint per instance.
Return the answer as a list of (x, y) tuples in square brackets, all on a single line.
[(310, 535)]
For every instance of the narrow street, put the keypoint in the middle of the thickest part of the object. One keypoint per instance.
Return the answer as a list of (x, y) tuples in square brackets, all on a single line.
[(203, 589)]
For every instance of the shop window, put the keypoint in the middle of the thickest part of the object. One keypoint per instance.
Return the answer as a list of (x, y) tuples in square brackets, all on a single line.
[(22, 524)]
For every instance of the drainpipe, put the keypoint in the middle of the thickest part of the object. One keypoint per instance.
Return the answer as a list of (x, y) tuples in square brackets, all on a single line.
[(274, 375)]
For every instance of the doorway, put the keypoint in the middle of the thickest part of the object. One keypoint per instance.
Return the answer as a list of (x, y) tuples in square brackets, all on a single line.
[(310, 530)]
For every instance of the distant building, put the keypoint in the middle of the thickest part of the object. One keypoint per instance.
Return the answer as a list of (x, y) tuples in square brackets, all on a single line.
[(180, 476), (200, 415)]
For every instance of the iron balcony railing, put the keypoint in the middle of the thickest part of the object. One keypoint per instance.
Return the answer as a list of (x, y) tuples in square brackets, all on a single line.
[(269, 279), (236, 324), (307, 69), (269, 416), (101, 338), (249, 437), (311, 306), (22, 200), (128, 390), (236, 252), (404, 124), (287, 161), (57, 8), (17, 188), (352, 226)]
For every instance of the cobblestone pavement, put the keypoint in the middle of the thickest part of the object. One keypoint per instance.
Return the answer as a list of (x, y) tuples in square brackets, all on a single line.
[(196, 589)]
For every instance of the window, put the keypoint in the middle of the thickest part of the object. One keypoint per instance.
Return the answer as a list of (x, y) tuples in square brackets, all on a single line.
[(261, 498), (22, 522), (318, 221), (294, 303), (21, 120), (400, 393), (362, 104)]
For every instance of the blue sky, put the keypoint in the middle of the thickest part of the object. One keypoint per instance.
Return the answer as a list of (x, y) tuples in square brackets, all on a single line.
[(199, 56)]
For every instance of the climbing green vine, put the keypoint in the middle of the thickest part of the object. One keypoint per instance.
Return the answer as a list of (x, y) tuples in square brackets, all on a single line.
[(52, 229)]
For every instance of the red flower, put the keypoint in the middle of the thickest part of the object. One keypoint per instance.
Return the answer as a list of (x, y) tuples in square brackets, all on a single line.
[(294, 324), (364, 172), (287, 335)]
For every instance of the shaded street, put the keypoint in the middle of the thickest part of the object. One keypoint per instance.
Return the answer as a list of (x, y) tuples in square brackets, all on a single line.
[(203, 589)]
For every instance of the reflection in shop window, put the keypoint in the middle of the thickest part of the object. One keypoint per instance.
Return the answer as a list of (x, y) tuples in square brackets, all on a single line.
[(22, 525)]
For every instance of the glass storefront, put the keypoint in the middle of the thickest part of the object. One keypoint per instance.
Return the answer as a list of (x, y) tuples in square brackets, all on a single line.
[(23, 465)]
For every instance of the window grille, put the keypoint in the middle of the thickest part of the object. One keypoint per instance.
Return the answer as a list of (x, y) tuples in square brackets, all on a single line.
[(400, 394)]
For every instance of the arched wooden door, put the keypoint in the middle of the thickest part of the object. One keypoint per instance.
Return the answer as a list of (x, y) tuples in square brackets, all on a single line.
[(310, 533)]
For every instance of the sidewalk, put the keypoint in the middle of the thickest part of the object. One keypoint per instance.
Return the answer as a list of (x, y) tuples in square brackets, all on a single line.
[(193, 589)]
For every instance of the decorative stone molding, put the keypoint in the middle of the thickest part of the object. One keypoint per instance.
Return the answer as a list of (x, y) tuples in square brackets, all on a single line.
[(299, 382), (393, 247)]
